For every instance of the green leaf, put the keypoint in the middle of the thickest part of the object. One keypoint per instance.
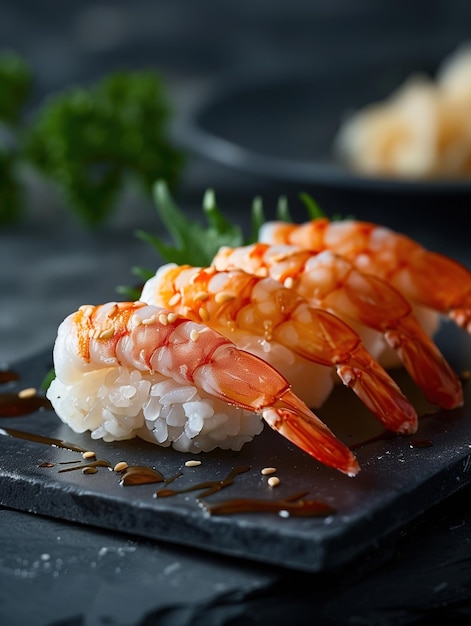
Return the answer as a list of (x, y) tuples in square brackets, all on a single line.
[(193, 244), (48, 378), (313, 209), (282, 210), (90, 142), (257, 219), (16, 82), (11, 195)]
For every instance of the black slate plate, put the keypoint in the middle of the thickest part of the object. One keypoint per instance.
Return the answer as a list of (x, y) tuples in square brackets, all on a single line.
[(283, 127), (399, 479)]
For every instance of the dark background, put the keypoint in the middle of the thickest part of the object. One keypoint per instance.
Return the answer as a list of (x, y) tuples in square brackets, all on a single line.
[(50, 264), (196, 47)]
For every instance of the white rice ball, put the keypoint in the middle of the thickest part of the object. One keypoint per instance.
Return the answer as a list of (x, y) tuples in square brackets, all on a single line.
[(118, 403)]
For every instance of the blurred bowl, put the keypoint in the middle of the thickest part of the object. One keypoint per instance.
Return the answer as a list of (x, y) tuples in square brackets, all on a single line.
[(281, 129)]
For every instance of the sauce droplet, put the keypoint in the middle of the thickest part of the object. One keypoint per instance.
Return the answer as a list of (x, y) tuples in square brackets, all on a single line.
[(50, 441), (140, 475), (209, 486), (83, 466), (7, 376), (13, 405), (293, 506)]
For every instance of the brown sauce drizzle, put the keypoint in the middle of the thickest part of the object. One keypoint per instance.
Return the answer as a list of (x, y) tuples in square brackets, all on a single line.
[(292, 506), (50, 441), (7, 376), (13, 405), (83, 466), (140, 475), (295, 506), (209, 486)]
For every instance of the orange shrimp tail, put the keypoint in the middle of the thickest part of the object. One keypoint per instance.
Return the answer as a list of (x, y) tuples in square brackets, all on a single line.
[(290, 417), (426, 365), (247, 381), (378, 391), (441, 283)]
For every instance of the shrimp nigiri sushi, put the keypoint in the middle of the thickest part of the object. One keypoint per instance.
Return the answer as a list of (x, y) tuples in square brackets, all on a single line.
[(308, 345), (131, 369), (435, 284)]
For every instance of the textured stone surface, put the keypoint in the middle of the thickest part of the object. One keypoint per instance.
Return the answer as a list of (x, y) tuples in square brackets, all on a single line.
[(397, 483), (63, 573)]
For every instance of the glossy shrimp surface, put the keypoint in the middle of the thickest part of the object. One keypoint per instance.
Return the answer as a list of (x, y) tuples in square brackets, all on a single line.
[(242, 305), (378, 311), (155, 340), (424, 277)]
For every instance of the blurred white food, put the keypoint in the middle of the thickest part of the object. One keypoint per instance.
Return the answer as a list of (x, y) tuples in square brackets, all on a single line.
[(423, 130)]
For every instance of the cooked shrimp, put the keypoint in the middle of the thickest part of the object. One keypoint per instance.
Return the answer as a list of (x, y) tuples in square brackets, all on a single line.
[(133, 338), (366, 302), (426, 278), (266, 316)]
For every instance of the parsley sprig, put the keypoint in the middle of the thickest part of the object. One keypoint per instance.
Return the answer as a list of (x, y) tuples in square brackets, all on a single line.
[(16, 84), (88, 142)]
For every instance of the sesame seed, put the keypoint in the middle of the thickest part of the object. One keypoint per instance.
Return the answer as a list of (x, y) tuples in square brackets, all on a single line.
[(135, 321), (273, 481), (106, 333), (203, 313), (87, 310), (202, 296), (194, 334), (192, 463), (289, 282), (163, 319), (119, 467), (175, 299), (89, 454), (223, 296), (172, 317), (152, 319), (266, 471), (29, 392)]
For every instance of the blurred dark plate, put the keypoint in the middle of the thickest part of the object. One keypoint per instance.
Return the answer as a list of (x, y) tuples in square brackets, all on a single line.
[(283, 127), (398, 481)]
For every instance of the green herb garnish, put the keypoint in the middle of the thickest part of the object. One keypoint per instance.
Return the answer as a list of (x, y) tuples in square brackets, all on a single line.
[(16, 84), (88, 142), (196, 244), (192, 243)]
